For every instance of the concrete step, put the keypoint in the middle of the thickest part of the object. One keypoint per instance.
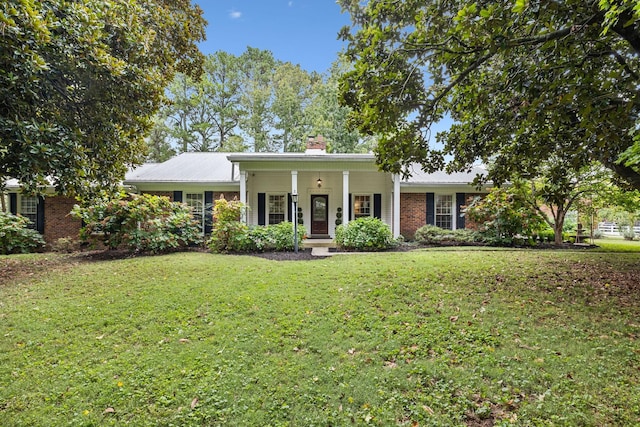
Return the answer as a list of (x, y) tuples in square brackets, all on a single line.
[(319, 243)]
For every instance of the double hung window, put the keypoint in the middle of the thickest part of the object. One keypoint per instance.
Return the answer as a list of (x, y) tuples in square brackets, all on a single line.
[(277, 208), (444, 211), (29, 209), (195, 201), (361, 206)]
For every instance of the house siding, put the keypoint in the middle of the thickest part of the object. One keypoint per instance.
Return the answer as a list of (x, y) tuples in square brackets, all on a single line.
[(413, 214), (58, 223), (374, 184)]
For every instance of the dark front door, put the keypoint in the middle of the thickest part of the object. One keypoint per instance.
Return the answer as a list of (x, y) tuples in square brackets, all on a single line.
[(319, 214)]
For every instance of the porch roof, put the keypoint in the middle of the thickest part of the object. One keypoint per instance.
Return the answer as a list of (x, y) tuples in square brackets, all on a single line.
[(300, 157)]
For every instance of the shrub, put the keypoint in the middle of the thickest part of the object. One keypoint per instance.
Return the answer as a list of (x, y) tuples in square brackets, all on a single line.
[(546, 235), (627, 233), (16, 237), (228, 234), (365, 234), (431, 234), (141, 223), (504, 217), (65, 245), (278, 237)]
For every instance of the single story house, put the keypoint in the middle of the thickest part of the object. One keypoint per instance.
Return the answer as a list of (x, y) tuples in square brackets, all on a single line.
[(330, 188)]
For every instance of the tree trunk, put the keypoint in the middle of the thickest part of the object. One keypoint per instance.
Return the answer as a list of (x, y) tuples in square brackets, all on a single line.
[(557, 231), (558, 224)]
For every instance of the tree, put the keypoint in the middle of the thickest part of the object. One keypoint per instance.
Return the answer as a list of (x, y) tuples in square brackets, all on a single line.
[(327, 117), (158, 147), (202, 114), (258, 67), (79, 82), (292, 96), (563, 189), (502, 71)]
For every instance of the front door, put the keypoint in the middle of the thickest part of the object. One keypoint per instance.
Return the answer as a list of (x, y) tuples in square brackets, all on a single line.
[(320, 214)]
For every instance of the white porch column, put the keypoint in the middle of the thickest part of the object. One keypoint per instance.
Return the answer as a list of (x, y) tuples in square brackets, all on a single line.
[(396, 205), (345, 197), (243, 193), (294, 182), (294, 190)]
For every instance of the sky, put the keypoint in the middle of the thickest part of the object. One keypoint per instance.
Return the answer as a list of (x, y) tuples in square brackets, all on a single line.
[(303, 32)]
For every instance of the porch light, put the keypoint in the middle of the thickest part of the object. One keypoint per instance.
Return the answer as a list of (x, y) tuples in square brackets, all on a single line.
[(319, 182), (294, 199)]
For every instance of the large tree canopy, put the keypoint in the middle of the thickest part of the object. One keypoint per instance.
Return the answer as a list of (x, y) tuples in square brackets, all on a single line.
[(80, 81), (521, 80)]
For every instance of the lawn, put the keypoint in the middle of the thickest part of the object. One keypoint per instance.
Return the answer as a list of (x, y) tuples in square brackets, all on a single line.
[(429, 337)]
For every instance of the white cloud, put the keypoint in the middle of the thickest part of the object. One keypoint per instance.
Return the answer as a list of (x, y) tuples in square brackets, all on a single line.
[(234, 14), (290, 3)]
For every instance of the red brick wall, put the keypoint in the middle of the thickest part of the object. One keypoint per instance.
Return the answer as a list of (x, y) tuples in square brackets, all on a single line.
[(58, 222), (468, 223), (413, 214)]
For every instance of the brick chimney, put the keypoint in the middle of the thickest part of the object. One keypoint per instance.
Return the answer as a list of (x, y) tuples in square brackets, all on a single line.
[(316, 145)]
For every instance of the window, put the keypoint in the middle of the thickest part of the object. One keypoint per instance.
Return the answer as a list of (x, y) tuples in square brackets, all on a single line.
[(444, 211), (195, 201), (361, 206), (277, 208), (29, 209)]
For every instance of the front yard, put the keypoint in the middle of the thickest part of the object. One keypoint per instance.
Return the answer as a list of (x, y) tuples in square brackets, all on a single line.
[(431, 337)]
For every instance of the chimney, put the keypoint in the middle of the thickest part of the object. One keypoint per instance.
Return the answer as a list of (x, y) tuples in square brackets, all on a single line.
[(316, 145)]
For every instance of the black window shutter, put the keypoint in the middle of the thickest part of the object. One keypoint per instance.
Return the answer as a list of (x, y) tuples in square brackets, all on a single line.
[(261, 208), (13, 203), (377, 205), (40, 215), (289, 208), (350, 204), (460, 202), (208, 211), (431, 205), (177, 196)]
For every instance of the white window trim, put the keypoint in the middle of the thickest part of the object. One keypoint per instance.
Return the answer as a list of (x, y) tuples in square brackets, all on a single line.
[(201, 209), (28, 215), (268, 207), (452, 209), (353, 207)]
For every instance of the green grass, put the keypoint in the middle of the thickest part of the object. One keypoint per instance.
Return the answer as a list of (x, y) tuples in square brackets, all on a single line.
[(422, 338), (611, 244)]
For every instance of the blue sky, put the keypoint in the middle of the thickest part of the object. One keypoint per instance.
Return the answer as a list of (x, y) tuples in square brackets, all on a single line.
[(302, 32)]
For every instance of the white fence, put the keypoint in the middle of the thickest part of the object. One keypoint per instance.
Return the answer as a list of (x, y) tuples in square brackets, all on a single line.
[(611, 228)]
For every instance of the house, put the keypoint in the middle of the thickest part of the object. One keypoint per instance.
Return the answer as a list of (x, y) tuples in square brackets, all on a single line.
[(331, 189)]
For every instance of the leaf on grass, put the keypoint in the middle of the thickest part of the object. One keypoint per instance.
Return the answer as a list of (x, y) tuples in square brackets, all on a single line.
[(109, 410), (184, 340), (194, 402), (453, 318)]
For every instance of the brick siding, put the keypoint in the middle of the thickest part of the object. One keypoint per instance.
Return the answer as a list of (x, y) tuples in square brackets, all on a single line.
[(468, 223), (58, 223), (413, 214)]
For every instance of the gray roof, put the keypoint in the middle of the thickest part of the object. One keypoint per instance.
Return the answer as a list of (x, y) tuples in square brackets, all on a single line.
[(187, 167), (419, 177), (301, 157)]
